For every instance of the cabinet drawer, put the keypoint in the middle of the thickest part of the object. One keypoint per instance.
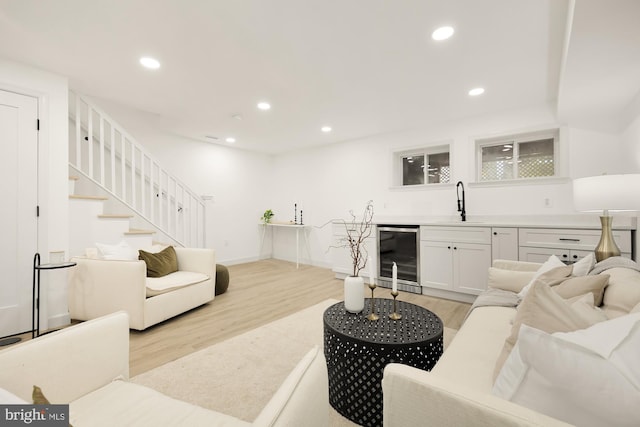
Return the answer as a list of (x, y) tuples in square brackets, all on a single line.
[(436, 233), (570, 239)]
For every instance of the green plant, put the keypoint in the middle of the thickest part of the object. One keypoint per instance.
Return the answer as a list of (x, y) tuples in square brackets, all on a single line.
[(266, 216)]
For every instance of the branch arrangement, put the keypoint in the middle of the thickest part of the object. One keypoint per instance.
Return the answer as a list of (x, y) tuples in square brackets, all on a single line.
[(357, 232)]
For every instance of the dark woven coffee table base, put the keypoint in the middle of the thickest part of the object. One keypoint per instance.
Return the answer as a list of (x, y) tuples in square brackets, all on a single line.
[(357, 350)]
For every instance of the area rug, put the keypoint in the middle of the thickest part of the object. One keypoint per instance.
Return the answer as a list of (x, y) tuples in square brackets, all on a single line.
[(239, 376)]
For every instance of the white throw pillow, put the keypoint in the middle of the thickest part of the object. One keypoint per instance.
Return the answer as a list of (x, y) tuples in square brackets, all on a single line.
[(584, 265), (551, 263), (584, 306), (589, 377), (120, 252), (8, 398)]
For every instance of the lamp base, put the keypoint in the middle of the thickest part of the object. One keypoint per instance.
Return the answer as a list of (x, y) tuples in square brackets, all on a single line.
[(606, 246)]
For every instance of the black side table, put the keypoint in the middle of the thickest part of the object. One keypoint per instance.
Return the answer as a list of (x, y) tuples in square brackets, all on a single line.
[(35, 307), (357, 350)]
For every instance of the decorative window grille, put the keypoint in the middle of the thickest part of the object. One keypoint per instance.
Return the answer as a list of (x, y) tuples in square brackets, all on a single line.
[(518, 157)]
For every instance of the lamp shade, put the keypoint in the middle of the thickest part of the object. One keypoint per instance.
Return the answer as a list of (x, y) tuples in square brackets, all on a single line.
[(607, 192)]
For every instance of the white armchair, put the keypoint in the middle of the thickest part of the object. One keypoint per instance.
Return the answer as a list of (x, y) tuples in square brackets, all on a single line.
[(98, 287)]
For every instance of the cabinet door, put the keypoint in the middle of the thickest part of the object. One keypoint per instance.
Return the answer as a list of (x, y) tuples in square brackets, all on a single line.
[(436, 264), (471, 264), (504, 243)]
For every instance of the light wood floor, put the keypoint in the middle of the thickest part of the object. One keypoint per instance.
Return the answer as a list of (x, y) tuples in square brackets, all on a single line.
[(259, 292)]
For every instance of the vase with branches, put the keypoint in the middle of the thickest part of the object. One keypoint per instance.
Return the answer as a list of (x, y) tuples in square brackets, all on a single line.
[(357, 231)]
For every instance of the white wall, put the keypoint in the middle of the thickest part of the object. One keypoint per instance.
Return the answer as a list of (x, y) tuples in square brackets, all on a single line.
[(631, 143), (52, 93), (326, 182), (239, 181)]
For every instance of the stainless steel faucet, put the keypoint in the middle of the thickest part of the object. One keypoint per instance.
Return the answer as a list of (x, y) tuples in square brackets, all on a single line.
[(461, 207)]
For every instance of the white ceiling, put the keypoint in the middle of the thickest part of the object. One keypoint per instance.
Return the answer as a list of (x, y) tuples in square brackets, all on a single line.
[(365, 67)]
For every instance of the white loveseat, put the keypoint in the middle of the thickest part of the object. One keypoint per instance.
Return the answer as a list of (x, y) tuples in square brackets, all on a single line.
[(98, 287), (458, 391), (87, 366)]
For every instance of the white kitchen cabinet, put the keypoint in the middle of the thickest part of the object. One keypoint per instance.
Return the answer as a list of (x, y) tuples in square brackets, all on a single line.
[(455, 259), (542, 254), (504, 243), (341, 261), (570, 245)]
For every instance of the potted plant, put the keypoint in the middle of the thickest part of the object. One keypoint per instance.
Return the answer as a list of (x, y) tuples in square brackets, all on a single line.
[(354, 241), (266, 216)]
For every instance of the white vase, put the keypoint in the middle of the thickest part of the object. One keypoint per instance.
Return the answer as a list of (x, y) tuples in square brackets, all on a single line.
[(354, 294)]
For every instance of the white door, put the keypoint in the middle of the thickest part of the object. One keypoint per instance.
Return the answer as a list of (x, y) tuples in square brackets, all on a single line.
[(18, 201)]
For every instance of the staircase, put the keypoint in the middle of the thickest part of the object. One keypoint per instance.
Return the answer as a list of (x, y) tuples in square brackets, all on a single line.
[(118, 191)]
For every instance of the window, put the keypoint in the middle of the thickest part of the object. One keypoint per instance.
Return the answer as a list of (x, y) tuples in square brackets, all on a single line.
[(423, 166), (518, 156)]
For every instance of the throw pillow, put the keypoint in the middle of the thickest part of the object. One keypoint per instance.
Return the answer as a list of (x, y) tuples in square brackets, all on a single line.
[(589, 377), (623, 292), (508, 280), (583, 266), (543, 309), (8, 398), (38, 397), (583, 304), (161, 263), (574, 286), (120, 252), (551, 263)]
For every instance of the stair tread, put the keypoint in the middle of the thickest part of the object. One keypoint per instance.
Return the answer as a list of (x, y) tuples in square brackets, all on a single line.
[(73, 178), (139, 231), (115, 216), (79, 197)]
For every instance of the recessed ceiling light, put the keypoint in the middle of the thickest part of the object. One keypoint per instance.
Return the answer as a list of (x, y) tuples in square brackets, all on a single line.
[(442, 33), (150, 63), (230, 140), (264, 105), (476, 91), (325, 129)]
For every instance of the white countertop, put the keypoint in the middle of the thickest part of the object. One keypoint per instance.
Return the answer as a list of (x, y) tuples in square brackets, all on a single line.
[(620, 222)]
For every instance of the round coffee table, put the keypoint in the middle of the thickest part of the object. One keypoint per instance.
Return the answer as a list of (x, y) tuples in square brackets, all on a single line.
[(358, 349)]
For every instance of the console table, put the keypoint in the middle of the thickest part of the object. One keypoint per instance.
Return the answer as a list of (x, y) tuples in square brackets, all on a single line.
[(296, 227), (357, 350)]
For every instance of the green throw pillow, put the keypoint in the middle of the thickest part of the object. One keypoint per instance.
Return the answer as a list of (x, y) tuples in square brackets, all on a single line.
[(161, 263)]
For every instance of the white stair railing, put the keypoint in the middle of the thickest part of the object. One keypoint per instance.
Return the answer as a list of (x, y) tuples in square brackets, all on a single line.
[(106, 154)]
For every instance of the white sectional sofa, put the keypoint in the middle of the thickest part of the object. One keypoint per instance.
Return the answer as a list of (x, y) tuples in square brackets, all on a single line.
[(99, 286), (87, 366), (460, 390)]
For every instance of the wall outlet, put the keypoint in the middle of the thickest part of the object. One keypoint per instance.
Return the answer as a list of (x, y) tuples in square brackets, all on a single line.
[(548, 202)]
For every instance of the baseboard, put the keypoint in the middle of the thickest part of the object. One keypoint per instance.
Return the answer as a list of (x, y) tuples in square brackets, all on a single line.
[(455, 296), (59, 321), (254, 259)]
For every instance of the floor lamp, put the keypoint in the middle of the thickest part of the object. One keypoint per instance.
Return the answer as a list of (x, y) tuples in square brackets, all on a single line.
[(607, 193)]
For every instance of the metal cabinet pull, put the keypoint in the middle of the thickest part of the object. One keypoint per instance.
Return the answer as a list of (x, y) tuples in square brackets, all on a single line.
[(568, 240)]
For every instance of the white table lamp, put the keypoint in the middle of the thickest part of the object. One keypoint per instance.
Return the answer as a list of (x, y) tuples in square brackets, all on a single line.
[(607, 193)]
